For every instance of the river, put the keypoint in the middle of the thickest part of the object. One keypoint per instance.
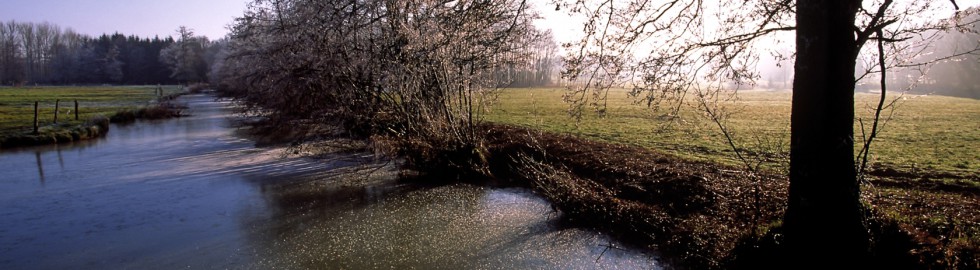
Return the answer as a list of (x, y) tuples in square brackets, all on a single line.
[(193, 193)]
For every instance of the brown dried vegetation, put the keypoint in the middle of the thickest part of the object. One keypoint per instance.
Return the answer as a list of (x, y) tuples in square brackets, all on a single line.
[(703, 215)]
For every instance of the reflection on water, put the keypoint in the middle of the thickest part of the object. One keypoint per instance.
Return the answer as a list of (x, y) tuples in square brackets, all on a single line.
[(40, 167), (188, 193)]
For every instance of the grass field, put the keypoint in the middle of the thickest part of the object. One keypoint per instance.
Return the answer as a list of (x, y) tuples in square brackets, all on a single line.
[(926, 133), (17, 103)]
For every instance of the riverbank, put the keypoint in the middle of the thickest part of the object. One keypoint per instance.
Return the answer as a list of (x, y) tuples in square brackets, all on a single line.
[(165, 107), (100, 106), (93, 128), (700, 215), (711, 216), (58, 133)]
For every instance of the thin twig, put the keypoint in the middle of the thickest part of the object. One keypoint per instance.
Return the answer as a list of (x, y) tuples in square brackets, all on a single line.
[(881, 103)]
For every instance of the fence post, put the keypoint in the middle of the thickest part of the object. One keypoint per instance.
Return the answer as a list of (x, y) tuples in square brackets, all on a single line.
[(35, 118), (76, 110), (56, 102)]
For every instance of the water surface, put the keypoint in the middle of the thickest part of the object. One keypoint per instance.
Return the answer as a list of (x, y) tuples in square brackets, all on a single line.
[(189, 192)]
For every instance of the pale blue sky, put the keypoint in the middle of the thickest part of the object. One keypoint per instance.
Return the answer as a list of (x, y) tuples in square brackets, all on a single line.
[(145, 18)]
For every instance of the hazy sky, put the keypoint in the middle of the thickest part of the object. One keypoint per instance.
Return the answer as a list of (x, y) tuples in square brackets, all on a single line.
[(148, 18), (145, 18)]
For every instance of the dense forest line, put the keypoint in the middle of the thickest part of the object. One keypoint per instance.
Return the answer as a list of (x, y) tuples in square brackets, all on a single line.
[(47, 54), (44, 53)]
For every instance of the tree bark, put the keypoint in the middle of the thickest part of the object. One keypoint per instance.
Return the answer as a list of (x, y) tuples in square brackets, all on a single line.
[(824, 219)]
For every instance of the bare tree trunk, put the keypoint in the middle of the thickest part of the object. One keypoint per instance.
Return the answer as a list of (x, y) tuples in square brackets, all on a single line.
[(823, 222)]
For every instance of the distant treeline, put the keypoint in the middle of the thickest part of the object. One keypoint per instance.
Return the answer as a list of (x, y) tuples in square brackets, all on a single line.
[(949, 66), (44, 53)]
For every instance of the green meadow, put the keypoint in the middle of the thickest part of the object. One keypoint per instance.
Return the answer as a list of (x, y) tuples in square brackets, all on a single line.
[(924, 133)]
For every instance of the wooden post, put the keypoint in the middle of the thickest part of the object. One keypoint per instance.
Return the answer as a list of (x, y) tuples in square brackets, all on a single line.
[(56, 103), (76, 110), (35, 118)]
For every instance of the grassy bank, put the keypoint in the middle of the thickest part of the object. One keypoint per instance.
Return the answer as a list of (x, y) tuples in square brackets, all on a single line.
[(94, 103)]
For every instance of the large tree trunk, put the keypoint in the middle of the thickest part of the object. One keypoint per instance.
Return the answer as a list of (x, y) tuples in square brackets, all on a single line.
[(823, 222)]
